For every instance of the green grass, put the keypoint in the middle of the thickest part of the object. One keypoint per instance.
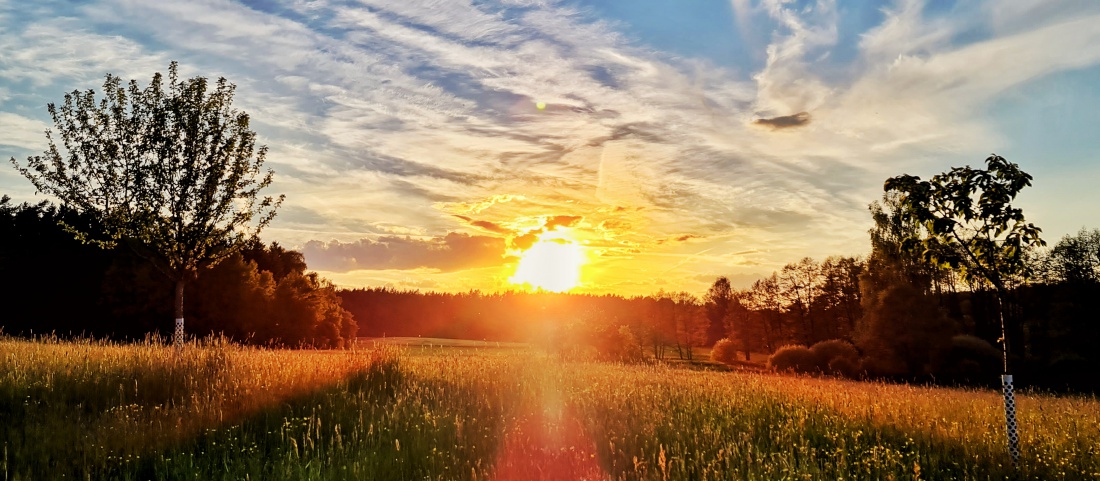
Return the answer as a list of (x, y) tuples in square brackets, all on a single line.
[(90, 410)]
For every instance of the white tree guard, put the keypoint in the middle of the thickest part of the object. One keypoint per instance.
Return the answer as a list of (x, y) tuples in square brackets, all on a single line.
[(177, 336), (1010, 418)]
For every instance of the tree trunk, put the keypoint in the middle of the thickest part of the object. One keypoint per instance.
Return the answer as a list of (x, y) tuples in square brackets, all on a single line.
[(177, 336)]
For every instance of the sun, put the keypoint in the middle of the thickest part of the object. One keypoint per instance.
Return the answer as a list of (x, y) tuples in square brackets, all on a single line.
[(551, 264)]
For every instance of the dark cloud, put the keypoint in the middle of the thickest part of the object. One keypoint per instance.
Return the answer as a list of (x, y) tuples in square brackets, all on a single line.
[(645, 131), (487, 225), (399, 167), (680, 238), (615, 225), (491, 226), (453, 252), (526, 240), (554, 222), (785, 121)]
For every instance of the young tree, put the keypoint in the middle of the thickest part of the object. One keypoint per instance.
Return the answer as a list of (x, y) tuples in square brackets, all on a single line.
[(969, 224), (172, 171)]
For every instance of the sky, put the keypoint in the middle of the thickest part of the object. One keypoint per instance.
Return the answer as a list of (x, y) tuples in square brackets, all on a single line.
[(429, 144)]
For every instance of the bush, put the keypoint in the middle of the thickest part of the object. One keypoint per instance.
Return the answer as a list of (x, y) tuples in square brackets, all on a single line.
[(724, 351), (970, 359), (605, 343), (839, 352), (794, 358), (630, 350), (846, 367)]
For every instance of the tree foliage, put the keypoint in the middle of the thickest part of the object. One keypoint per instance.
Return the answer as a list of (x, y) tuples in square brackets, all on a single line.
[(968, 220)]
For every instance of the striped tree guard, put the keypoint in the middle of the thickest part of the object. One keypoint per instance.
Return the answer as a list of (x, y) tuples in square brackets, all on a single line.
[(1010, 419)]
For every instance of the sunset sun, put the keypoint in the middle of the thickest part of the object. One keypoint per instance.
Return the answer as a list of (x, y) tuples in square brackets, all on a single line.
[(552, 264)]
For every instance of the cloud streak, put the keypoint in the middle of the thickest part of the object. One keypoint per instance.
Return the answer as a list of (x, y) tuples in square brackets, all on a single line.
[(452, 252), (423, 118)]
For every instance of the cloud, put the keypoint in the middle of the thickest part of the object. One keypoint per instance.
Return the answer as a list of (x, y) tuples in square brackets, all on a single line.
[(455, 251), (484, 224), (785, 121), (386, 118), (553, 222), (22, 132)]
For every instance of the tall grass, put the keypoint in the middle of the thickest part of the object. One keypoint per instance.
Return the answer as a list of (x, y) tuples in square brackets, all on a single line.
[(89, 410)]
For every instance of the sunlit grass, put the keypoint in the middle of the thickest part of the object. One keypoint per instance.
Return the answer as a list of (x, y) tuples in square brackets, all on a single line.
[(89, 410)]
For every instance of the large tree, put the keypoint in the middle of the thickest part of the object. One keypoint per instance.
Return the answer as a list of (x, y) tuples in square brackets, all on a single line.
[(172, 171), (718, 302)]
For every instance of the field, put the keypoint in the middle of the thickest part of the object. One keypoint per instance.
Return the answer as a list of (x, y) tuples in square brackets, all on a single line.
[(89, 410)]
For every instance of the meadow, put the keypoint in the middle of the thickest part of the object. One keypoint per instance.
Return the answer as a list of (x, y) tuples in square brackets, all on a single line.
[(212, 410)]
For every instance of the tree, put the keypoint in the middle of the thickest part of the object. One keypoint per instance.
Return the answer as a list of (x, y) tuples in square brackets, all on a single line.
[(969, 224), (764, 298), (1075, 260), (690, 324), (902, 328), (839, 298), (172, 171), (718, 301), (799, 283)]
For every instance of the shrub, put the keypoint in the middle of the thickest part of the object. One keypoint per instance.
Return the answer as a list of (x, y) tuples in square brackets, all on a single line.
[(794, 358), (630, 350), (846, 367), (724, 351), (828, 352), (609, 344), (970, 359)]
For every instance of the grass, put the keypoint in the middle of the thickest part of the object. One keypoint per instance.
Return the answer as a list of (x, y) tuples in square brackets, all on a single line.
[(89, 410)]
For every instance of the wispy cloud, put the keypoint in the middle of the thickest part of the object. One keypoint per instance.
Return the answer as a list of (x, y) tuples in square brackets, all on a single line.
[(452, 252), (473, 127)]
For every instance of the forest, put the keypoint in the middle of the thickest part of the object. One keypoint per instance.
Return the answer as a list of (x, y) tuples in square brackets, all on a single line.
[(52, 283)]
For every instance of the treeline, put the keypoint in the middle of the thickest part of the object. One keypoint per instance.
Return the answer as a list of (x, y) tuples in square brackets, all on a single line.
[(663, 324), (803, 303), (52, 283)]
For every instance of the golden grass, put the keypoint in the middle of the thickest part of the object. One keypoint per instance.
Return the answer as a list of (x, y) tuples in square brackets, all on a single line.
[(214, 411)]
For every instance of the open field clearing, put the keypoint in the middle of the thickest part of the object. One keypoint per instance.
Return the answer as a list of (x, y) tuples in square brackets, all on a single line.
[(101, 411)]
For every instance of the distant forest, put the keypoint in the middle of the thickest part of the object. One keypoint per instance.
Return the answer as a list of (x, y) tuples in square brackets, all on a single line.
[(909, 318)]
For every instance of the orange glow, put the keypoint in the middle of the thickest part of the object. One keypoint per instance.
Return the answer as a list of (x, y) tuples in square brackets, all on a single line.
[(552, 264)]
